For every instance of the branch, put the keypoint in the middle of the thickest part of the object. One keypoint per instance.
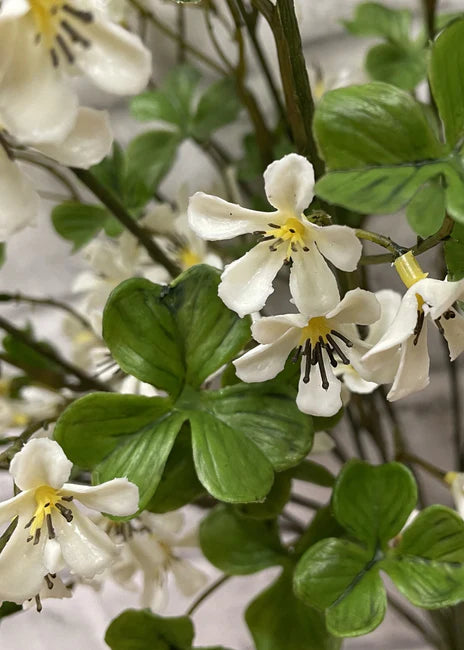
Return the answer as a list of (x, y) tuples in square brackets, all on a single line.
[(207, 593), (48, 302)]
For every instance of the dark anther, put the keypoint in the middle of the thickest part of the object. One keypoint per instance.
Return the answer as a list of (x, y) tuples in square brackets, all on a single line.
[(314, 355), (307, 374), (273, 225), (66, 512), (29, 539), (296, 356), (267, 238), (38, 603), (75, 36), (273, 247), (259, 232), (49, 582), (47, 504), (55, 59), (321, 341), (338, 350), (449, 314), (419, 325), (37, 537), (306, 249), (333, 360), (84, 16), (346, 341), (291, 230), (440, 327), (51, 530), (70, 498), (65, 49), (320, 361), (294, 248), (29, 523)]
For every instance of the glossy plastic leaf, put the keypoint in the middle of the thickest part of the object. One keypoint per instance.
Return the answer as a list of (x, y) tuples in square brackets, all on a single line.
[(341, 577), (151, 155), (230, 466), (274, 502), (427, 208), (238, 545), (77, 222), (399, 65), (454, 253), (427, 566), (374, 19), (93, 426), (374, 502), (218, 106), (143, 630), (322, 526), (277, 620)]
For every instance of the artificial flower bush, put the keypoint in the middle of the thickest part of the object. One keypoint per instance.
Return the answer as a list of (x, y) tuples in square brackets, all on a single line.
[(224, 358)]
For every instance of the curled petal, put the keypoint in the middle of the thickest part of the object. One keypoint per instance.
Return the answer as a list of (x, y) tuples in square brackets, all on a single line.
[(19, 203), (89, 141), (453, 329), (355, 383), (269, 328), (358, 306), (117, 497), (312, 398), (266, 361), (390, 302), (117, 61), (339, 245), (312, 284), (213, 218), (413, 371), (289, 184), (439, 294), (40, 462), (246, 283)]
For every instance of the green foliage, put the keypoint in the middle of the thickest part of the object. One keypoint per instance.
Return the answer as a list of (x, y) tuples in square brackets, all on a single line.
[(454, 253), (274, 502), (7, 609), (427, 208), (79, 223), (143, 630), (175, 337), (312, 472)]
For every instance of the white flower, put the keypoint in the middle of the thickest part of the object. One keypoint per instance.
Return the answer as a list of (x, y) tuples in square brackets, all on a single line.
[(152, 551), (52, 587), (322, 338), (425, 300), (456, 483), (43, 43), (51, 530), (85, 145), (286, 235), (32, 403)]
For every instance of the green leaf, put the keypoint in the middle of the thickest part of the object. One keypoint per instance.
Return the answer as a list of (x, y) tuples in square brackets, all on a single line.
[(150, 156), (278, 620), (78, 222), (342, 578), (94, 425), (445, 73), (374, 19), (312, 472), (401, 66), (374, 502), (2, 253), (143, 630), (228, 464), (427, 566), (322, 526), (142, 458), (274, 502), (454, 257), (426, 210), (7, 609), (238, 545), (142, 335), (218, 106)]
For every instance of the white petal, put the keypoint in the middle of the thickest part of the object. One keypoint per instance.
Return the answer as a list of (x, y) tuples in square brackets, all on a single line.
[(439, 294), (40, 462), (454, 334), (36, 105), (356, 384), (19, 203), (188, 578), (13, 9), (289, 184), (457, 490), (390, 302), (166, 525), (87, 144), (14, 506), (322, 444), (266, 361), (8, 35), (358, 306), (155, 594), (270, 328), (117, 497), (312, 284), (213, 218), (117, 61), (413, 371), (86, 549), (312, 398), (339, 245), (246, 283), (53, 558)]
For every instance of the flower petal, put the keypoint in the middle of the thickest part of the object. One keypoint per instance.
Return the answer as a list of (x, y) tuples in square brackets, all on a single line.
[(269, 328), (358, 306), (339, 245), (312, 398), (36, 105), (246, 283), (12, 507), (188, 578), (439, 294), (86, 549), (289, 184), (19, 204), (117, 497), (453, 329), (355, 383), (457, 490), (8, 35), (312, 284), (88, 142), (390, 302), (413, 371), (266, 361), (117, 61), (40, 462), (213, 218)]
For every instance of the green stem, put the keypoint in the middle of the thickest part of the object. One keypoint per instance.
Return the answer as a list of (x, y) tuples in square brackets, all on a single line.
[(22, 438), (380, 240), (218, 583), (31, 160), (431, 469), (443, 233), (48, 302), (430, 11), (181, 49), (108, 199)]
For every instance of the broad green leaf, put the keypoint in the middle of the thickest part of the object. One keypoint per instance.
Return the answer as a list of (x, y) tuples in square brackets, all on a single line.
[(322, 526), (312, 472), (238, 545), (342, 578), (151, 155), (218, 106), (445, 73), (454, 255), (93, 426), (142, 458), (401, 66), (79, 222), (267, 415), (426, 210), (374, 502), (374, 19), (228, 464), (142, 336), (143, 630), (427, 566), (274, 502), (7, 609), (211, 334), (278, 620)]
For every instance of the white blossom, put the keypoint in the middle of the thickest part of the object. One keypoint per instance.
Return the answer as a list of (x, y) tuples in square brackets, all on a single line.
[(51, 531), (286, 235), (31, 403), (456, 483)]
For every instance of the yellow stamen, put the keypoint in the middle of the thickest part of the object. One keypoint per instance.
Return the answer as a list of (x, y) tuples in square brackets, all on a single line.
[(292, 231), (315, 328), (188, 258), (19, 419), (46, 15), (46, 498)]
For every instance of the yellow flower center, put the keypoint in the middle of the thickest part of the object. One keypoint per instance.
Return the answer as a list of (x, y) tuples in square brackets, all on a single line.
[(19, 419), (316, 328), (188, 258), (292, 232), (47, 499)]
